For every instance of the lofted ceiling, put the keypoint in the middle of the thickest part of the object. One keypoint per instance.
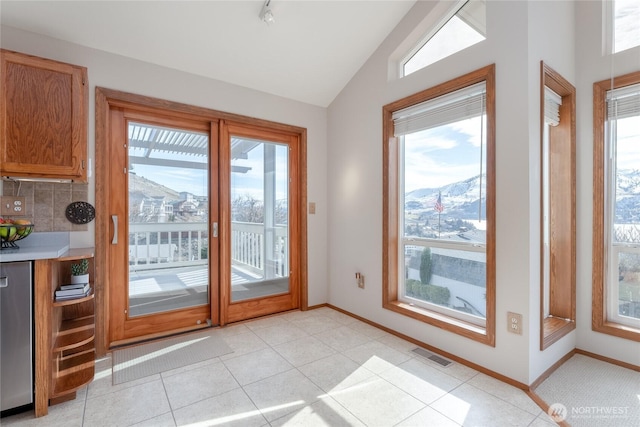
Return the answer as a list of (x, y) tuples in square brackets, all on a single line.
[(308, 54)]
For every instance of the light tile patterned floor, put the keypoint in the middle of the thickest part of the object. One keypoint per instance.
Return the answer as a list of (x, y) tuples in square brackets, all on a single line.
[(314, 368)]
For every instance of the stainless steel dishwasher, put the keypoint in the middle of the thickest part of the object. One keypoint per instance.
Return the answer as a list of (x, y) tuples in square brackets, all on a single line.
[(16, 336)]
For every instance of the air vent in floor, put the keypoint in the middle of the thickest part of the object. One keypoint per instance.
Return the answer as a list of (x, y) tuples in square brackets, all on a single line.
[(433, 357)]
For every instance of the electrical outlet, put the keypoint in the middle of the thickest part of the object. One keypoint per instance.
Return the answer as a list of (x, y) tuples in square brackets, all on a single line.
[(514, 323), (360, 280), (14, 206)]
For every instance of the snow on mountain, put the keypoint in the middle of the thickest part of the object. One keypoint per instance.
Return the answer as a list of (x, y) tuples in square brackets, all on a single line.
[(459, 199), (628, 196), (628, 182)]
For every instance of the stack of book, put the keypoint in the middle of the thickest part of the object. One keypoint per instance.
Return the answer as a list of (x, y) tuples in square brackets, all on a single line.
[(72, 291)]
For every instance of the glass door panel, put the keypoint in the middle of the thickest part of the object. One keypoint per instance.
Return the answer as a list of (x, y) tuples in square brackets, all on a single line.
[(259, 219), (168, 234)]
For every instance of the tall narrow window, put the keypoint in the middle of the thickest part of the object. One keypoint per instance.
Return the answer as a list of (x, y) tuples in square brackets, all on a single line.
[(616, 270), (558, 207), (464, 27), (440, 205)]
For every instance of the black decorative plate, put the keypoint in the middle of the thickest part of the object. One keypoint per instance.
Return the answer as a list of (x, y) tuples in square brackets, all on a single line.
[(80, 212)]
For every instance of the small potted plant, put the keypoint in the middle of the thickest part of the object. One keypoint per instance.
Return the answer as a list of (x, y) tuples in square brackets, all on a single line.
[(80, 272)]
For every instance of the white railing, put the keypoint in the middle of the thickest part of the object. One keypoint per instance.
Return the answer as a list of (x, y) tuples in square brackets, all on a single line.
[(249, 246), (179, 244), (167, 244)]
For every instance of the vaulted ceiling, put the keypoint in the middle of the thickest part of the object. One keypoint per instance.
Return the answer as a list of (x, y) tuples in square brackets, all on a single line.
[(308, 54)]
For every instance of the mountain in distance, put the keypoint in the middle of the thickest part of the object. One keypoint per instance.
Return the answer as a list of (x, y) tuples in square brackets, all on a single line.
[(628, 196), (141, 186), (460, 199), (629, 181)]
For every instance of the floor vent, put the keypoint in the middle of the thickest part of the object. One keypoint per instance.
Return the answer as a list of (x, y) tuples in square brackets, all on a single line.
[(434, 357)]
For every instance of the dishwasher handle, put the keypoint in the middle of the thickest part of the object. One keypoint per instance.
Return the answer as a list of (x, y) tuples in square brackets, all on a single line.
[(4, 282)]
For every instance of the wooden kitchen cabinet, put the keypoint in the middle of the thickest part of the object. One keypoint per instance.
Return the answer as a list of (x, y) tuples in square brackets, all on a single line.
[(43, 118)]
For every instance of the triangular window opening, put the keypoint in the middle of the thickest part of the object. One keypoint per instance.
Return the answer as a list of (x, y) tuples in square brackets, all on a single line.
[(625, 23), (465, 28)]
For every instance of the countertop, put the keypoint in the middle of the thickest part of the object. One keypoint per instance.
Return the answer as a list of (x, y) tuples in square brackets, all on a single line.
[(38, 246)]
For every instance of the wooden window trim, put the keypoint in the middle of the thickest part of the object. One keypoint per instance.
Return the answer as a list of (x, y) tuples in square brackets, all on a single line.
[(391, 237), (599, 321), (562, 307)]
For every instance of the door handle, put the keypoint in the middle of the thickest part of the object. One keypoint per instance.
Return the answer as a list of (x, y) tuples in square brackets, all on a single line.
[(215, 229), (114, 218), (4, 282)]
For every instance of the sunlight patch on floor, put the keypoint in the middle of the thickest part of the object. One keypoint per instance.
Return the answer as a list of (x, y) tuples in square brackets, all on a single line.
[(244, 415)]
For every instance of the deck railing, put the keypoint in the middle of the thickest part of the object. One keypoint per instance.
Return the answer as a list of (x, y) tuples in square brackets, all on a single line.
[(249, 243), (180, 244)]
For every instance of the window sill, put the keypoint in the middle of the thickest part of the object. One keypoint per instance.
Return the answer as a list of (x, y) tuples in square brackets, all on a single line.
[(468, 330), (616, 329), (554, 328)]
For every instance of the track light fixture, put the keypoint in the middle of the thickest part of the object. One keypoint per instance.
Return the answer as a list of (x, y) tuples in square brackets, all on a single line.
[(266, 14)]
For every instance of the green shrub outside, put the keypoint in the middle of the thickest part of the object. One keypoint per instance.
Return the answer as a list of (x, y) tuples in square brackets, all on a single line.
[(425, 266), (427, 292), (629, 291)]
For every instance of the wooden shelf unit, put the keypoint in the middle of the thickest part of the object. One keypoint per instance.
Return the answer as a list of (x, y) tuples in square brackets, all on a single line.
[(65, 332)]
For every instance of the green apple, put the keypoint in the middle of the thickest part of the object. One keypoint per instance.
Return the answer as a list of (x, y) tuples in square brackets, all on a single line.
[(24, 226), (7, 232)]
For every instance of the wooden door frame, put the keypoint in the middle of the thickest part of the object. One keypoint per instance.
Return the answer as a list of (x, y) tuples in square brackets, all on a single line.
[(108, 99), (124, 329), (232, 311)]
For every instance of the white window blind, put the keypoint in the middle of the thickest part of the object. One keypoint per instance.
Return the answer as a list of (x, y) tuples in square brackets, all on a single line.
[(552, 103), (623, 102), (462, 104)]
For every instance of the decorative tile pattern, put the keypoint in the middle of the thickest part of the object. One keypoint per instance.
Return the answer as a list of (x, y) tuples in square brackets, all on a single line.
[(48, 201)]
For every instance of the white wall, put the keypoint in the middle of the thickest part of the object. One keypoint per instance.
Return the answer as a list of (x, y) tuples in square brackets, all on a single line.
[(120, 73), (592, 66), (566, 35), (355, 183)]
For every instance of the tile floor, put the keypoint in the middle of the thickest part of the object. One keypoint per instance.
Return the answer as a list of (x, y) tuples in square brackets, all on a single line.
[(314, 368)]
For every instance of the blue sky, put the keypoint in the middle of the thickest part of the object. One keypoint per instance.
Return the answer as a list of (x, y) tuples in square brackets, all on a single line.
[(434, 158), (628, 143), (252, 182), (443, 155), (243, 184)]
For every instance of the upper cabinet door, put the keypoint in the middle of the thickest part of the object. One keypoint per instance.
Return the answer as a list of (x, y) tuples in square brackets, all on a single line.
[(43, 118)]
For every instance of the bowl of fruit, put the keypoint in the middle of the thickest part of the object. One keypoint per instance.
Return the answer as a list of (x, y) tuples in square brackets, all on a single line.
[(12, 230)]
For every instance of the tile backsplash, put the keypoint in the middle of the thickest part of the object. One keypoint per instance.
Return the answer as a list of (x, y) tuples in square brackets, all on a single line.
[(47, 202)]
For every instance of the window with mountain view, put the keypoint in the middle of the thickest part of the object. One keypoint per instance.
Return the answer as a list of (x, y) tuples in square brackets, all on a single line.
[(443, 199), (616, 280)]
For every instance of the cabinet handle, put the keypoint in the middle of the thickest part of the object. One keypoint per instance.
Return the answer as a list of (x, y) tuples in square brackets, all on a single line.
[(4, 282), (114, 218)]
